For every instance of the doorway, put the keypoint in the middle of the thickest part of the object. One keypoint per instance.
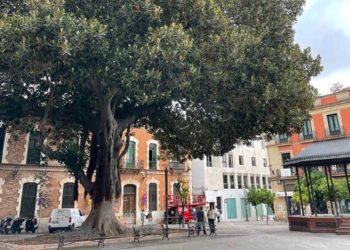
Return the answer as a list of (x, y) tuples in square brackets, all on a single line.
[(28, 200), (231, 208), (129, 204)]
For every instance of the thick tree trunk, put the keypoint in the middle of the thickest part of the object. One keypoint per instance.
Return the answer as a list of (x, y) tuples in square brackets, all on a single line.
[(102, 219)]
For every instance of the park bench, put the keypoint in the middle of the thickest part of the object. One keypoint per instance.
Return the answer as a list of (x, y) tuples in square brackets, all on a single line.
[(151, 229), (62, 242)]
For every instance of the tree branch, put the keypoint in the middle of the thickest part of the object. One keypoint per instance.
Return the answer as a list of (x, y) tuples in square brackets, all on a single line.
[(126, 147)]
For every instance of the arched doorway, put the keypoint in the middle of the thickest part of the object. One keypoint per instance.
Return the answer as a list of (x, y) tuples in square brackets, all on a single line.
[(28, 200), (129, 204)]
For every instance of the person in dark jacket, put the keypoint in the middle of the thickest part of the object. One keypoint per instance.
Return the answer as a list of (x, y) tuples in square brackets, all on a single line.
[(200, 221)]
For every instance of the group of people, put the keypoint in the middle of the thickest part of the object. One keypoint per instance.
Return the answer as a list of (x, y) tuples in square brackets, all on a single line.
[(211, 215), (201, 216), (149, 217)]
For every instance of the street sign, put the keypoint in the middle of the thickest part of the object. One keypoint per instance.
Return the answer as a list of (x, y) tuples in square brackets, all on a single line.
[(285, 172)]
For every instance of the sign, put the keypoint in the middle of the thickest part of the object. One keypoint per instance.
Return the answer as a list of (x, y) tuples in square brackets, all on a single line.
[(285, 172), (282, 194), (144, 200)]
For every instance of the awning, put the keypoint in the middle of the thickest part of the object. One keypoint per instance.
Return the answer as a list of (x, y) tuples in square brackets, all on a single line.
[(323, 153)]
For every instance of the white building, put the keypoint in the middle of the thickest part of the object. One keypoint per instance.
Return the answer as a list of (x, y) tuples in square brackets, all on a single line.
[(225, 179)]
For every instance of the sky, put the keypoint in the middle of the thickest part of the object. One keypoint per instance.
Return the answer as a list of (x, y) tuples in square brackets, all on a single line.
[(325, 27)]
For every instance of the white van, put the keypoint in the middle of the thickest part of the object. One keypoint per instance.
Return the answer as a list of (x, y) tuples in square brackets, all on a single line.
[(65, 219)]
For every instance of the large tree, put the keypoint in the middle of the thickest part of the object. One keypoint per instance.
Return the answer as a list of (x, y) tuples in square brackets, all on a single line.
[(201, 75)]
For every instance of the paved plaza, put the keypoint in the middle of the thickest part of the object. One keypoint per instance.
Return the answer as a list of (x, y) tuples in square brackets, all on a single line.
[(230, 235)]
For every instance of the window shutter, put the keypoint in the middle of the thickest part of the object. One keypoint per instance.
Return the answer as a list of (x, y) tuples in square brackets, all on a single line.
[(68, 195), (28, 200)]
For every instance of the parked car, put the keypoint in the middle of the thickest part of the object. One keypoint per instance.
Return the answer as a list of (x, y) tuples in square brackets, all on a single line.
[(65, 219)]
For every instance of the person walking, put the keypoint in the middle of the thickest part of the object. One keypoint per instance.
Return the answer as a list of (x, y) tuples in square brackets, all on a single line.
[(200, 221), (211, 219), (149, 217), (218, 215), (143, 215)]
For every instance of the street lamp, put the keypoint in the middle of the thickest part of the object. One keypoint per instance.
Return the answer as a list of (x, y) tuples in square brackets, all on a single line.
[(166, 202), (246, 203)]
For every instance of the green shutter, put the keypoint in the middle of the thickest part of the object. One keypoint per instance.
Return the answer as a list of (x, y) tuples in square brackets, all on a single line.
[(152, 156), (34, 153), (130, 157), (244, 203), (231, 208)]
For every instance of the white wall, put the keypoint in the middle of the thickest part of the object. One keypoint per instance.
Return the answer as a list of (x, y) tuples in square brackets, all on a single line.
[(210, 179)]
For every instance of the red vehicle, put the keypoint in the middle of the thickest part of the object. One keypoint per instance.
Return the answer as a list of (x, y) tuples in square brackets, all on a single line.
[(175, 208)]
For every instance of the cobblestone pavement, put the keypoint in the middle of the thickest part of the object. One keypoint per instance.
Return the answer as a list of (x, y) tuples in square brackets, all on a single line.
[(245, 236), (231, 235)]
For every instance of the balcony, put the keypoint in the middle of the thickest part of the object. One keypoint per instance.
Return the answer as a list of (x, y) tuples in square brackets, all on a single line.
[(304, 137), (175, 165), (136, 166), (280, 139), (334, 132)]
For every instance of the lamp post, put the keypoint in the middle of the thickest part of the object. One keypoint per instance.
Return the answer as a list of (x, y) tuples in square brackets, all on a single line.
[(246, 203), (166, 203)]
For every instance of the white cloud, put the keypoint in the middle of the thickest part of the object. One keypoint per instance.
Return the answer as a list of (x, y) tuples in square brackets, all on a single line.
[(337, 13), (309, 4), (323, 84)]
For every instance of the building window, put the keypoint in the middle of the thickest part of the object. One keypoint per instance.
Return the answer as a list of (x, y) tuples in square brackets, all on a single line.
[(240, 158), (28, 200), (232, 181), (264, 182), (130, 155), (230, 161), (245, 181), (239, 182), (285, 157), (263, 144), (283, 138), (258, 182), (33, 156), (269, 182), (209, 161), (225, 180), (152, 196), (333, 124), (68, 195), (253, 161), (252, 181), (152, 156), (265, 162), (224, 163), (2, 141), (307, 131)]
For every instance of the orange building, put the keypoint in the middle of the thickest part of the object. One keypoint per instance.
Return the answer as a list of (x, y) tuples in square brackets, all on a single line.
[(23, 179), (330, 119)]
